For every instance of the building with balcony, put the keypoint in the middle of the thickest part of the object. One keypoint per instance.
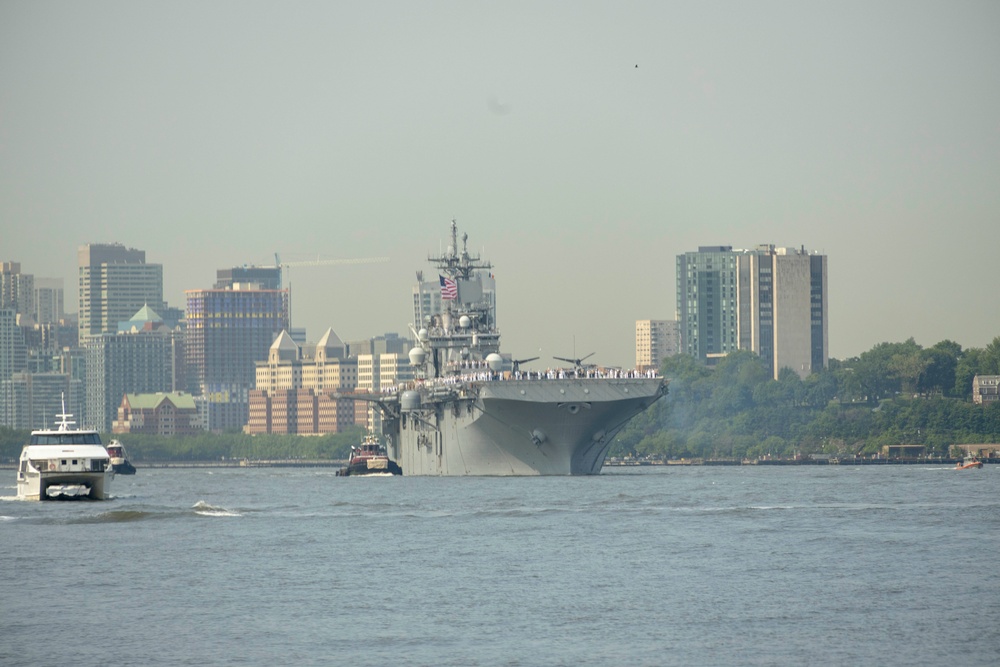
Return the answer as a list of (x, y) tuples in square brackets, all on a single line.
[(985, 389)]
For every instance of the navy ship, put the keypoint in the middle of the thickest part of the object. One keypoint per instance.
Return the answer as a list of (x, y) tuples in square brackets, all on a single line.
[(473, 411)]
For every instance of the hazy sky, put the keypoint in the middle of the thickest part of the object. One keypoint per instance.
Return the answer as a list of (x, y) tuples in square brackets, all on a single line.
[(214, 134)]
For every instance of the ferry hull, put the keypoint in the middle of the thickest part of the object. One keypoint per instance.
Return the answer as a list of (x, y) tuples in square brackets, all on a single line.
[(520, 427), (34, 485)]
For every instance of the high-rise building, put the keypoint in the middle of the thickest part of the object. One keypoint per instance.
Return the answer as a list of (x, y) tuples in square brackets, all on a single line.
[(706, 301), (771, 301), (115, 282), (139, 358), (294, 390), (13, 359), (227, 332), (394, 369), (17, 290), (655, 340), (13, 355), (388, 343), (49, 300), (32, 400), (267, 277), (783, 308)]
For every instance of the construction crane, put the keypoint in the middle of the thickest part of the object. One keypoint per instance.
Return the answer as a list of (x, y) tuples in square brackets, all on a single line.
[(281, 266)]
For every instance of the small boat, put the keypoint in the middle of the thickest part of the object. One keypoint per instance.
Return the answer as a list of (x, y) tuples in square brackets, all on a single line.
[(119, 459), (64, 463), (969, 462), (370, 458)]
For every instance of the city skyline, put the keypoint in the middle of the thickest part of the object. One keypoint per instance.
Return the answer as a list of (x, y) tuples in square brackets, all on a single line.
[(582, 147)]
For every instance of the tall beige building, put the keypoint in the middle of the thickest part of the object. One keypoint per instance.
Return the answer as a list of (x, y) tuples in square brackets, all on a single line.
[(782, 308), (381, 373), (115, 283), (293, 391), (655, 340)]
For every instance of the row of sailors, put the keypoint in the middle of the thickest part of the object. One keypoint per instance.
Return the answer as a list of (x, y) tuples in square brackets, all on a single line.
[(549, 374), (558, 373)]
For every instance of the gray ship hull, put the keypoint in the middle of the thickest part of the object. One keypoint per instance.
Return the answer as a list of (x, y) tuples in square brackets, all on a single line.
[(517, 427)]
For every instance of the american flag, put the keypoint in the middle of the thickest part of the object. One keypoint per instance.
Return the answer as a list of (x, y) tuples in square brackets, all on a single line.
[(449, 288)]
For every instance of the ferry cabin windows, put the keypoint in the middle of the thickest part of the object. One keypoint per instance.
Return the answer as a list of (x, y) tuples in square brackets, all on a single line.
[(66, 439)]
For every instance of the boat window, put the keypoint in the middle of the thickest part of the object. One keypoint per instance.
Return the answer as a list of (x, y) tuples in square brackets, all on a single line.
[(66, 439), (75, 461), (64, 461)]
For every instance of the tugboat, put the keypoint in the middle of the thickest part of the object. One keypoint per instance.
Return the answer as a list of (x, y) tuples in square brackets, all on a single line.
[(119, 459), (370, 458)]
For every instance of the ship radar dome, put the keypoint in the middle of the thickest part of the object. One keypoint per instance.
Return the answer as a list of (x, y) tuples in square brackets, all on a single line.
[(409, 400), (464, 321), (417, 356), (422, 335), (495, 361)]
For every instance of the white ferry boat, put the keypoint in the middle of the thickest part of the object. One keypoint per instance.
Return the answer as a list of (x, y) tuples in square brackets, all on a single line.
[(64, 463)]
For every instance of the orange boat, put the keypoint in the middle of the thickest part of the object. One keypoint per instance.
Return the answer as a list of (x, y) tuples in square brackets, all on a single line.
[(969, 462)]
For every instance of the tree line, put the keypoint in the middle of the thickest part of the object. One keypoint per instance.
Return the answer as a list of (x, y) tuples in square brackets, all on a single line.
[(213, 446), (895, 393)]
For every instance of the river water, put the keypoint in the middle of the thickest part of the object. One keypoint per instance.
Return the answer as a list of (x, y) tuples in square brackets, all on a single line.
[(832, 565)]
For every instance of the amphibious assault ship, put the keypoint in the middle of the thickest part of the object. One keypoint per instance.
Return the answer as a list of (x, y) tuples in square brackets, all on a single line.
[(473, 411)]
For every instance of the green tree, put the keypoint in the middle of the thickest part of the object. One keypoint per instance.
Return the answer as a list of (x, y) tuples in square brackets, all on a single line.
[(820, 388), (942, 361), (991, 358), (966, 368)]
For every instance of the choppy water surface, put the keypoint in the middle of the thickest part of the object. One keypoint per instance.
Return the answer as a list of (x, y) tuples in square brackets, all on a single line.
[(674, 566)]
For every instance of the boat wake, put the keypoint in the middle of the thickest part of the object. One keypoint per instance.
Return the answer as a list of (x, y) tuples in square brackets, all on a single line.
[(122, 516), (204, 509)]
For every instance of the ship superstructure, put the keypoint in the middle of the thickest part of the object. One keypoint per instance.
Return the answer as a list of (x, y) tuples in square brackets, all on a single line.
[(473, 411)]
